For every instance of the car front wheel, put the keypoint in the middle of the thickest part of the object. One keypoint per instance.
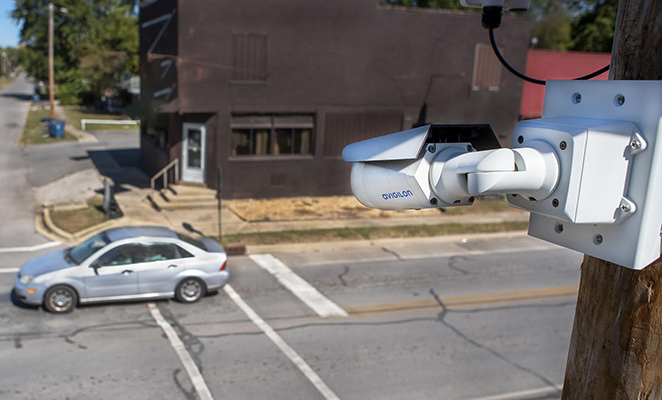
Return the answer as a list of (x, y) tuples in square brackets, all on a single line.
[(60, 299), (190, 290)]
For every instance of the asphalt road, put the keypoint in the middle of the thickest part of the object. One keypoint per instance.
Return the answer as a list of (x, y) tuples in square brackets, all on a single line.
[(487, 317)]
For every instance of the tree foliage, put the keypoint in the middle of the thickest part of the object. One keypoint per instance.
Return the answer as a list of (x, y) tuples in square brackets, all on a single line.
[(97, 37), (559, 25)]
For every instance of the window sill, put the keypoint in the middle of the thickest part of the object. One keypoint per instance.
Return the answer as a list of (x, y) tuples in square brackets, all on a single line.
[(307, 157)]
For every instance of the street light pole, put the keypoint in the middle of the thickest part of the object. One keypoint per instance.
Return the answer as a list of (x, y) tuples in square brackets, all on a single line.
[(51, 84)]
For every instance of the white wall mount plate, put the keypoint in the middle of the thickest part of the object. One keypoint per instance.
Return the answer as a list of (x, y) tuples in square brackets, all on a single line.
[(633, 242)]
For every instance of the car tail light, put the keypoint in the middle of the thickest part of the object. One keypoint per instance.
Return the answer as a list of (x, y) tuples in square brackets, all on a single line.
[(223, 266)]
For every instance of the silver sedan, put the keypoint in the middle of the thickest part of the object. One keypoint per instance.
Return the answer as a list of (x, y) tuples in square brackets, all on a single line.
[(124, 264)]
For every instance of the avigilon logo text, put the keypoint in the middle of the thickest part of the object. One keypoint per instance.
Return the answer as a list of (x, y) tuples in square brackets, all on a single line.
[(396, 195)]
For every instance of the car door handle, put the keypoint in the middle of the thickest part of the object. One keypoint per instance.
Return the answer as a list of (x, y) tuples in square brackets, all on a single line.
[(173, 266), (127, 272)]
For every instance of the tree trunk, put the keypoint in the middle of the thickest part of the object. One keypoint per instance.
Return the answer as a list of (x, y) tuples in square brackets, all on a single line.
[(616, 345)]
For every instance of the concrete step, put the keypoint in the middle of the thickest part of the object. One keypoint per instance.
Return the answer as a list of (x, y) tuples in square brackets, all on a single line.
[(161, 201), (171, 197), (181, 189)]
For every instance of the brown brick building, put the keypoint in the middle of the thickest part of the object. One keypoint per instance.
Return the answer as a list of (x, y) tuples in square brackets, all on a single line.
[(272, 90)]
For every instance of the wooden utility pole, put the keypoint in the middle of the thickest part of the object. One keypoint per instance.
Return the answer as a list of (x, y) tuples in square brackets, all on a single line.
[(616, 345), (51, 84)]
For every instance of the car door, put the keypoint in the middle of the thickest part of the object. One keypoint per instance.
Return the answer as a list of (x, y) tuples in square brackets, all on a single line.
[(113, 273), (162, 263)]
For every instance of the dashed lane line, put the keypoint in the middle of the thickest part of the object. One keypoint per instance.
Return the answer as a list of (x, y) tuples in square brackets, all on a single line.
[(298, 286), (299, 362), (191, 368), (27, 249), (9, 270)]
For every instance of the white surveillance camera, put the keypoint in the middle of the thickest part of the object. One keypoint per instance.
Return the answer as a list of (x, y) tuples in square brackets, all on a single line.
[(447, 165), (589, 171)]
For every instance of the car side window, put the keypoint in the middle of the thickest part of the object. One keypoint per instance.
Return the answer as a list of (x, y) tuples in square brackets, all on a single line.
[(164, 251), (183, 253), (122, 255)]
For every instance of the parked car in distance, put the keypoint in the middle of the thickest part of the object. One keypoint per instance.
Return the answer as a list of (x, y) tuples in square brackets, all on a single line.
[(123, 264)]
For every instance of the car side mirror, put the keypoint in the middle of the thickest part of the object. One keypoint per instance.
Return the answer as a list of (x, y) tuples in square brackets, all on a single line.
[(95, 265)]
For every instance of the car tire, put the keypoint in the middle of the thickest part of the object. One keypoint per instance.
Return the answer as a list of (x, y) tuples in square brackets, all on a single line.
[(190, 290), (60, 299)]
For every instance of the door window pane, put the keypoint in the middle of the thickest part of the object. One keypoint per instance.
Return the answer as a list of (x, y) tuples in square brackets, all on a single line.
[(194, 147), (122, 255)]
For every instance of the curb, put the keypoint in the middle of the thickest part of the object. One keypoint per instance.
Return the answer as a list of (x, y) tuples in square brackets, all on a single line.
[(357, 244), (41, 228)]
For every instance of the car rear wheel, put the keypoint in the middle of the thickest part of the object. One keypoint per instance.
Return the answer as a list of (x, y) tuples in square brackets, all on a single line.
[(190, 290), (60, 299)]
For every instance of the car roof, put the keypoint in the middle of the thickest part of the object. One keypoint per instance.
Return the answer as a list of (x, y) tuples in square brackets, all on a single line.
[(129, 232)]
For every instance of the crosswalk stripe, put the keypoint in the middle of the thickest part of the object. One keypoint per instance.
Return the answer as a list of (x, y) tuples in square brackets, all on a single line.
[(298, 286)]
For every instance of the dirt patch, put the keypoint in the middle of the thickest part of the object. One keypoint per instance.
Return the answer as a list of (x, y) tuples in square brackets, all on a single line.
[(72, 221), (343, 207)]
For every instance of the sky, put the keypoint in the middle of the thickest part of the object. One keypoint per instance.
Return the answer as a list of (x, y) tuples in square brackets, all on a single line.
[(8, 27)]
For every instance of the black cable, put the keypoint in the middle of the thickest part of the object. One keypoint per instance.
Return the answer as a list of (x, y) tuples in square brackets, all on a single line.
[(527, 78)]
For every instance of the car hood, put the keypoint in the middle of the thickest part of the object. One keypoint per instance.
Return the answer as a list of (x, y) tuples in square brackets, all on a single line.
[(46, 263)]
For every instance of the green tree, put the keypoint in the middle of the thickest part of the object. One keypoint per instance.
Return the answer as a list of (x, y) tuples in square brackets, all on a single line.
[(593, 28), (553, 31), (97, 37)]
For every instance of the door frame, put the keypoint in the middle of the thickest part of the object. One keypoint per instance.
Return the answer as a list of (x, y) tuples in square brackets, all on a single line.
[(194, 176)]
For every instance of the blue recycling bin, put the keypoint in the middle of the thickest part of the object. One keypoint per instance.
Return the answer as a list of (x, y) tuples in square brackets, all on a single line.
[(56, 128)]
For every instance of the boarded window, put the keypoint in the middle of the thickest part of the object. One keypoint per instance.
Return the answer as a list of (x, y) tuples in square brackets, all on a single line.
[(249, 58), (487, 68), (342, 129)]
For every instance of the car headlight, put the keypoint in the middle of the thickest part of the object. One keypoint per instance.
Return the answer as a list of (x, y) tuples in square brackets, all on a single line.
[(26, 279)]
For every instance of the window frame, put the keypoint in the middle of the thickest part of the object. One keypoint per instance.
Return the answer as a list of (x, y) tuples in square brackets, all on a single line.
[(273, 136)]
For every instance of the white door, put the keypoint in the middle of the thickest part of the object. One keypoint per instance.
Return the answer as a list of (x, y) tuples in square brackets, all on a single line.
[(194, 138)]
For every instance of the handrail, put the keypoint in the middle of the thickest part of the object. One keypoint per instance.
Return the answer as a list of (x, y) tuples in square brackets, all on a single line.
[(164, 171)]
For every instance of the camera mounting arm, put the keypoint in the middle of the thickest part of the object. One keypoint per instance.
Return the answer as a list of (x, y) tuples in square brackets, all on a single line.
[(532, 172), (447, 165)]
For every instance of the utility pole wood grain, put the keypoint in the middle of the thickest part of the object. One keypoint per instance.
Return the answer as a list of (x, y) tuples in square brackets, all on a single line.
[(616, 344)]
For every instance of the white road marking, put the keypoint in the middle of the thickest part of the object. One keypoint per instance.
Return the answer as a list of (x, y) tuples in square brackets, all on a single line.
[(29, 248), (300, 363), (191, 368), (524, 394), (9, 270), (297, 285)]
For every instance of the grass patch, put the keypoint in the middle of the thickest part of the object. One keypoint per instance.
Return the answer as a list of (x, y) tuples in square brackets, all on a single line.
[(76, 220), (370, 233), (75, 114), (35, 132)]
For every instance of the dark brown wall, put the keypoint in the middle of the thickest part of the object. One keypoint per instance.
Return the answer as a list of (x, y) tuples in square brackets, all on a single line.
[(340, 56)]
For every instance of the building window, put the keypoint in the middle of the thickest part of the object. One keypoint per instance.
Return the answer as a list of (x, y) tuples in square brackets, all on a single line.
[(249, 58), (487, 69), (276, 135)]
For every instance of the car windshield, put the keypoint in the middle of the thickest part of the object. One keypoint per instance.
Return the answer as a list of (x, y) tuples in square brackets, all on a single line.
[(81, 252), (190, 240)]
